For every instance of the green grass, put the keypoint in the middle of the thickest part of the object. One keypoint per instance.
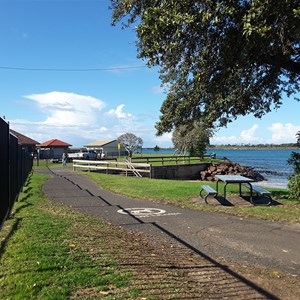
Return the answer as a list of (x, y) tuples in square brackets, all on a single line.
[(144, 188), (156, 160), (184, 194), (45, 251), (44, 163)]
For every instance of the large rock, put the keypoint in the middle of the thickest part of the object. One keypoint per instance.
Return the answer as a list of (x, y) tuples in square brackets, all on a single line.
[(228, 167)]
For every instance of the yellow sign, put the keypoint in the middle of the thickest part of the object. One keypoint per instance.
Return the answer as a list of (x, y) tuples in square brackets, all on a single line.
[(119, 146)]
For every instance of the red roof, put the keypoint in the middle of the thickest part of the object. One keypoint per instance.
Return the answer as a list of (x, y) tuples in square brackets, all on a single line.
[(54, 143), (23, 139)]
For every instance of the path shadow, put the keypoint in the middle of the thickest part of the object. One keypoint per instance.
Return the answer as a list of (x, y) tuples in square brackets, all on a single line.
[(215, 265), (231, 284)]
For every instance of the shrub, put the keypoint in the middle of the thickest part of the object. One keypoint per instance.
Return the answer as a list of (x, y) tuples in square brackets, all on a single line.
[(294, 180), (294, 187)]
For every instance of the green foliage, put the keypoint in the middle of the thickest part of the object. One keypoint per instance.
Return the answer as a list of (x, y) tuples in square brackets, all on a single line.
[(219, 59), (41, 256), (130, 141), (294, 180), (294, 187), (294, 160), (192, 138)]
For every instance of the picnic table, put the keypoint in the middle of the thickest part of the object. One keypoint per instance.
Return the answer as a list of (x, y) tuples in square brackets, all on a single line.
[(233, 179)]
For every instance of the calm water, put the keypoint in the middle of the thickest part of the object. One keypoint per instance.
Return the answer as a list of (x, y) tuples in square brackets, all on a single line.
[(272, 164)]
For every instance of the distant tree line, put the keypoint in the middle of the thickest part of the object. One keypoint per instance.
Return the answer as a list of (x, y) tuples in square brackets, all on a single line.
[(266, 146)]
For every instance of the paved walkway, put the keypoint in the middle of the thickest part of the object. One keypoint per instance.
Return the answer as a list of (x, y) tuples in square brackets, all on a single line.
[(271, 244)]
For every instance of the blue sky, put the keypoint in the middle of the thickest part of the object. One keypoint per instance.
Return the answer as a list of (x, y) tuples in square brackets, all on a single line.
[(80, 107)]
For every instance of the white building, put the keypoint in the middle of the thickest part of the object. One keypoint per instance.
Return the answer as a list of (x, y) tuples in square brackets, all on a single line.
[(108, 147)]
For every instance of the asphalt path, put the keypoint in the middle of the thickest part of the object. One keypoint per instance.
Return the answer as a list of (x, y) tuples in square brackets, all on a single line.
[(273, 245)]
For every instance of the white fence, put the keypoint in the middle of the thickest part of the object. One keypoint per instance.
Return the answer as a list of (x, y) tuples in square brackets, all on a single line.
[(110, 166)]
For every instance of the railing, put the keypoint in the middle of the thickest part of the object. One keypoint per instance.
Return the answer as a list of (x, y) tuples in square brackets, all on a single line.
[(134, 170), (165, 160), (16, 165), (112, 167)]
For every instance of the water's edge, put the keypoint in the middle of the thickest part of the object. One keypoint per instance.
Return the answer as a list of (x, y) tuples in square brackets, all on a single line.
[(271, 163)]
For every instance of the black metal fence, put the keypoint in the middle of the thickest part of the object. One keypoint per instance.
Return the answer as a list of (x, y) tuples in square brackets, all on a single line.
[(15, 165)]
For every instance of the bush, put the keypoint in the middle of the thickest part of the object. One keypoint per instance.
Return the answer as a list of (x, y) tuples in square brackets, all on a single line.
[(294, 187), (294, 161), (294, 180)]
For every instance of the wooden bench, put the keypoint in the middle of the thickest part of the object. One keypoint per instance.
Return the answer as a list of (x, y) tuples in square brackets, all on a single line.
[(209, 190), (261, 191)]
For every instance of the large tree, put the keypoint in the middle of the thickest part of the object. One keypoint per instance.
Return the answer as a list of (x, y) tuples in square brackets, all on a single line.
[(130, 142), (192, 138), (219, 59)]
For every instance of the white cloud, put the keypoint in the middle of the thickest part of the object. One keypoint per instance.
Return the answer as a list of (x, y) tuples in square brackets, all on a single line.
[(249, 135), (103, 129), (280, 134), (119, 113), (284, 133), (78, 119), (68, 109), (164, 140)]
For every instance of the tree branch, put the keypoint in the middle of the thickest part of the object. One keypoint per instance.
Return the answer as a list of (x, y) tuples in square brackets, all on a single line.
[(283, 62)]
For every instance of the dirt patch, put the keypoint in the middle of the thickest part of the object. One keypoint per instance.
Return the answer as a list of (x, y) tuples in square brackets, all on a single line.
[(164, 269), (281, 285)]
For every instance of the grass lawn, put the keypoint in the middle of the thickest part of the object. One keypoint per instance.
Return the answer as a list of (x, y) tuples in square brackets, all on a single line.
[(184, 194), (49, 252), (44, 163)]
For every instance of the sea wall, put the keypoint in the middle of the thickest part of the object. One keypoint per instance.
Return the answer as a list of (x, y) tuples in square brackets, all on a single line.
[(204, 171), (180, 172)]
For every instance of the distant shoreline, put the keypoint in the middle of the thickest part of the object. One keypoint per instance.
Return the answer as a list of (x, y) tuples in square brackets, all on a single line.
[(269, 162), (253, 148), (238, 148)]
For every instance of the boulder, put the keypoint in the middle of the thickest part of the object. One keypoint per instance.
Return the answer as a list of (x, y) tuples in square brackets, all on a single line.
[(228, 167)]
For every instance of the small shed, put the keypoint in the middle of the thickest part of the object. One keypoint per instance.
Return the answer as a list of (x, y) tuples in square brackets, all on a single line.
[(28, 144), (53, 149), (108, 147)]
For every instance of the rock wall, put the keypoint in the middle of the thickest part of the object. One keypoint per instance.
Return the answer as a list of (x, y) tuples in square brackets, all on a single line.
[(179, 172), (228, 167)]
